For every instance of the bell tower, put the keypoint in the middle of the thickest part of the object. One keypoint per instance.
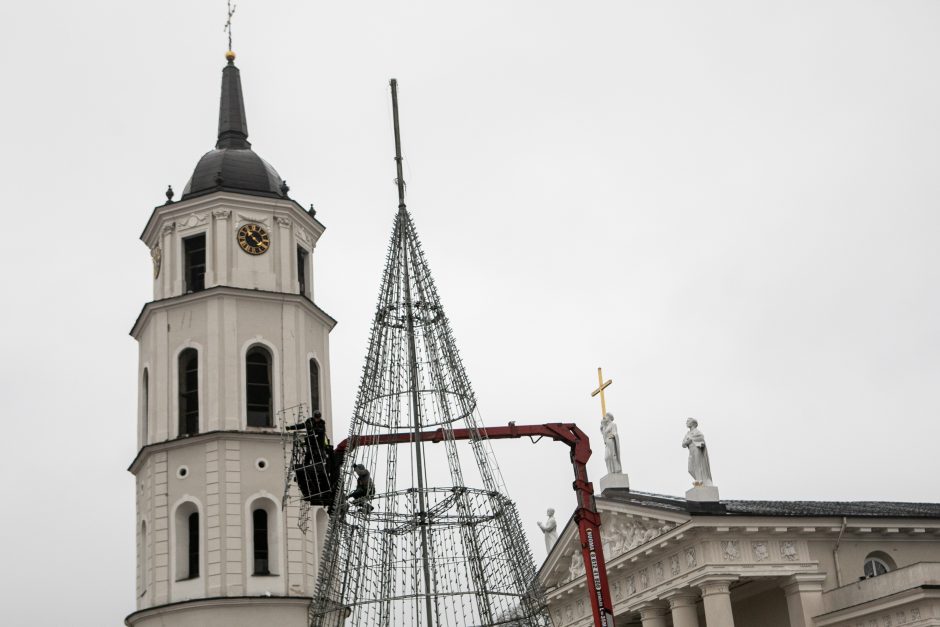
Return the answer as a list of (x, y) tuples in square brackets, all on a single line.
[(231, 338)]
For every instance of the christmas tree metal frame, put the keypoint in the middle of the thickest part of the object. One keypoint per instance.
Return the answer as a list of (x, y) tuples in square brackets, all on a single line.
[(438, 543)]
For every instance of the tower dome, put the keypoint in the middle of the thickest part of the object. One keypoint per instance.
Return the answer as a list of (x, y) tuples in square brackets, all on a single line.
[(233, 165)]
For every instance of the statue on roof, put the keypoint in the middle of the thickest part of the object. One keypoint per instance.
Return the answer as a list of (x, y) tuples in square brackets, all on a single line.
[(611, 444), (699, 466), (550, 529)]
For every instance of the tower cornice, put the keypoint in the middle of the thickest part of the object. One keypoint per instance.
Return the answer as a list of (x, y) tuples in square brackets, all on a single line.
[(185, 300), (224, 200), (227, 604), (201, 438)]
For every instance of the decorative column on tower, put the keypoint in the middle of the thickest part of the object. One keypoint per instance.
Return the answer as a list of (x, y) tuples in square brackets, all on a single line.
[(613, 453), (231, 340)]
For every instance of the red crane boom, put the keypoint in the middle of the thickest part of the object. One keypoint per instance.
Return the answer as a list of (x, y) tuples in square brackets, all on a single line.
[(585, 515)]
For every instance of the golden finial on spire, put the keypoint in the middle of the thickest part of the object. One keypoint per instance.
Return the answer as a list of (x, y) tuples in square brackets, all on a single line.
[(230, 55)]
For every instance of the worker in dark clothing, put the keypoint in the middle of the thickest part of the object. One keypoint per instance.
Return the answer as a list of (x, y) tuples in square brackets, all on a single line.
[(315, 426), (365, 489)]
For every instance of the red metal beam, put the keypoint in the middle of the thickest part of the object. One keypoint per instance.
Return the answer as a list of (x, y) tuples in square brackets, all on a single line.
[(585, 515)]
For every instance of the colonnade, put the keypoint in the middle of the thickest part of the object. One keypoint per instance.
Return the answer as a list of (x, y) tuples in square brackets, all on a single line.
[(803, 593)]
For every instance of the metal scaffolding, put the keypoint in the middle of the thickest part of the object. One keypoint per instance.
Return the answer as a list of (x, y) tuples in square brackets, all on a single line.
[(415, 536)]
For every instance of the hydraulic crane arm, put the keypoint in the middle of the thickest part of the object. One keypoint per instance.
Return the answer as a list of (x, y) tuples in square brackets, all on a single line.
[(585, 515)]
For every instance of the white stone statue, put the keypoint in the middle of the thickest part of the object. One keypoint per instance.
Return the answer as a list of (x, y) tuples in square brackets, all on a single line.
[(611, 444), (699, 467), (550, 529)]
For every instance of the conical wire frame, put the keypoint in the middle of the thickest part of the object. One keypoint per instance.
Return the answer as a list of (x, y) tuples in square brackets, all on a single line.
[(438, 543)]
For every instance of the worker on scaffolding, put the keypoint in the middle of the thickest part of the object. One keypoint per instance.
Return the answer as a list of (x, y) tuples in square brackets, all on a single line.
[(365, 489)]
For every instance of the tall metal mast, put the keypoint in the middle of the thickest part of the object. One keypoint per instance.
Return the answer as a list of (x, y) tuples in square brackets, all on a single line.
[(413, 368), (401, 179)]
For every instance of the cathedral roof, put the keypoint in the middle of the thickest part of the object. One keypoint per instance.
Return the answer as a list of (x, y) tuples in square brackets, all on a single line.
[(778, 508), (233, 165)]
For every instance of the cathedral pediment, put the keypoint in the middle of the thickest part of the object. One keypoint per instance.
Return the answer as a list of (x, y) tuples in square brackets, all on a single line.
[(621, 532)]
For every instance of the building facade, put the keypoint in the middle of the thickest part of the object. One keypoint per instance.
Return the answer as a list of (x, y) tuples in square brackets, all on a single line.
[(674, 562), (231, 340)]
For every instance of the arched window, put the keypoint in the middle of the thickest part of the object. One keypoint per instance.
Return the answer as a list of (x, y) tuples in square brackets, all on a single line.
[(189, 392), (258, 387), (145, 405), (263, 558), (259, 520), (186, 523), (878, 563), (314, 385)]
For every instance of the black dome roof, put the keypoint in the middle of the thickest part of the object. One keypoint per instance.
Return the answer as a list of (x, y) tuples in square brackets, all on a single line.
[(233, 165), (236, 169)]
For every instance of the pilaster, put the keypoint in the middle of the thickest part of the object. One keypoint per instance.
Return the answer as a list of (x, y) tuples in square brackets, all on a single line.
[(161, 530), (286, 277), (213, 520), (224, 237), (234, 572)]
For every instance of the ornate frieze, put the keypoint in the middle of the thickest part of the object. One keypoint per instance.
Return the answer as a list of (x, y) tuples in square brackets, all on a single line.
[(244, 219), (729, 550), (674, 565), (759, 550), (621, 535), (576, 566), (192, 221), (788, 550), (690, 557)]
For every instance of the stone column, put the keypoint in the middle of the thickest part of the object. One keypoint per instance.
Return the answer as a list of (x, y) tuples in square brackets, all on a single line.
[(684, 613), (804, 598), (716, 595), (653, 615)]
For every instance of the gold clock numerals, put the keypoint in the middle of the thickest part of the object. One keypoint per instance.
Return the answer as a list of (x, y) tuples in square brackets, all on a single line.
[(253, 239)]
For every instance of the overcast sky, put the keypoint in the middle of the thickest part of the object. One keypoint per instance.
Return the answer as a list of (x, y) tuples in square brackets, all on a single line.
[(731, 207)]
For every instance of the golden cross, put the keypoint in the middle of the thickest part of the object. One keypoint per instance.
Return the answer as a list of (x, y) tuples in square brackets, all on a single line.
[(601, 385)]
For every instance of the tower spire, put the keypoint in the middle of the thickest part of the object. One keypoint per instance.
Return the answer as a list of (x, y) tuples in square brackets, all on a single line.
[(233, 125)]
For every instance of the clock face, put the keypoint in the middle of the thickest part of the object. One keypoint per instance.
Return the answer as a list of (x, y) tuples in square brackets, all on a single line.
[(253, 239)]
